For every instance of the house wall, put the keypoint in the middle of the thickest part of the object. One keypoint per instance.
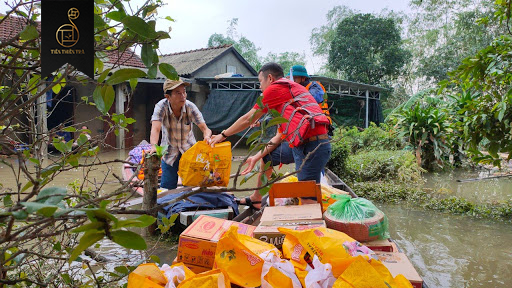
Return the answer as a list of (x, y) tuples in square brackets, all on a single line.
[(85, 114), (219, 66)]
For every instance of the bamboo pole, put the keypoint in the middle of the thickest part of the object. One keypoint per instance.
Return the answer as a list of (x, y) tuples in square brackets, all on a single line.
[(151, 167)]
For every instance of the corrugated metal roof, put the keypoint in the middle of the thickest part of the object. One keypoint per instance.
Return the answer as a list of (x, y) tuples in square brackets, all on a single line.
[(12, 25), (188, 62)]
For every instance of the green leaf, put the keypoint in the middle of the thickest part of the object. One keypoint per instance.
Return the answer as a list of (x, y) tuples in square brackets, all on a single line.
[(141, 221), (20, 215), (35, 161), (128, 239), (89, 226), (116, 15), (51, 195), (86, 241), (253, 136), (103, 75), (152, 71), (104, 97), (169, 71), (123, 270), (100, 214), (146, 54), (65, 277), (98, 100), (139, 26), (277, 121), (69, 129), (29, 33), (133, 83), (126, 74), (155, 259), (46, 209), (169, 18), (160, 150), (57, 246)]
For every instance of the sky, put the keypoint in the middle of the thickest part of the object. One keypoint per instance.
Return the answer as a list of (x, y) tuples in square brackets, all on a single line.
[(274, 26)]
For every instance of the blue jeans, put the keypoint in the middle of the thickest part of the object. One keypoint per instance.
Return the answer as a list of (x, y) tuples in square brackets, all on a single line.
[(315, 163), (169, 178), (282, 154)]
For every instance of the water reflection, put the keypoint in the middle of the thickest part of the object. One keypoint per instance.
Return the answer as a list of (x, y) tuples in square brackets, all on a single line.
[(453, 251), (481, 191)]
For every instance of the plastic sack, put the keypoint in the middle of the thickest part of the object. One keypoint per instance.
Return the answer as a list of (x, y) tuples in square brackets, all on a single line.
[(357, 217), (361, 274), (147, 276), (320, 276), (277, 272), (327, 192), (238, 256), (176, 274), (301, 246), (213, 278), (204, 166)]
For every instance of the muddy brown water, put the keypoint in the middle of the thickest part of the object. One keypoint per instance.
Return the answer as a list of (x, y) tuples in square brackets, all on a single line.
[(447, 250)]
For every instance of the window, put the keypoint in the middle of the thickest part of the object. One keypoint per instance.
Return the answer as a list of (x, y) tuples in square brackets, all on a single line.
[(231, 69)]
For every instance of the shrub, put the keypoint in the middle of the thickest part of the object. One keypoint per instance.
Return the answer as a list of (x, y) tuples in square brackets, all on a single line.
[(339, 155), (382, 137), (382, 166)]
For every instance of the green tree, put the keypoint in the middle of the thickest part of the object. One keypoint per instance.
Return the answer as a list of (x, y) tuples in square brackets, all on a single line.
[(46, 228), (286, 59), (244, 46), (367, 49), (485, 77), (322, 37), (442, 33)]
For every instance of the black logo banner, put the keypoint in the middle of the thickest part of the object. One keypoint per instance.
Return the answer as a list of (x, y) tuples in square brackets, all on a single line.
[(67, 35)]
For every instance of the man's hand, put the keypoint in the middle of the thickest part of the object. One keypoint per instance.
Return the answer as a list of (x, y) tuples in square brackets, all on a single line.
[(215, 139), (251, 162), (152, 150)]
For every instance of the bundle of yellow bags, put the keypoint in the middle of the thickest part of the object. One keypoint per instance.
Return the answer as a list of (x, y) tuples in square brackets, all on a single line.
[(313, 258), (175, 276)]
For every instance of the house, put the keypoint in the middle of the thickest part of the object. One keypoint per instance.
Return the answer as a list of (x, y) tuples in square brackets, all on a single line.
[(191, 66)]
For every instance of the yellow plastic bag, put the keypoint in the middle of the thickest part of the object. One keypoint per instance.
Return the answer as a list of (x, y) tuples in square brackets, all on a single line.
[(147, 276), (176, 274), (208, 279), (238, 256), (361, 274), (204, 166), (277, 272), (327, 244)]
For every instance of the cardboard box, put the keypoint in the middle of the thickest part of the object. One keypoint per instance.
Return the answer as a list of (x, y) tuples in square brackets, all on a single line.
[(198, 242), (299, 217), (384, 245), (398, 263), (187, 217), (194, 268)]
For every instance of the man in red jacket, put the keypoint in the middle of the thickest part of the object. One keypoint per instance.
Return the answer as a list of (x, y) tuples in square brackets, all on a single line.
[(306, 129)]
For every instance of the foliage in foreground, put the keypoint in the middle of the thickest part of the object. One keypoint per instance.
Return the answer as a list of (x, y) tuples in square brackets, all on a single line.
[(45, 229)]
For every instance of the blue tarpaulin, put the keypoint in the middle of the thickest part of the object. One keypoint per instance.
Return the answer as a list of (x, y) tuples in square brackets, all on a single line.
[(223, 107), (203, 200)]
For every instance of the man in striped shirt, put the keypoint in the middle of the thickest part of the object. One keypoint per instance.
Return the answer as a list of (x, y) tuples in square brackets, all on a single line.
[(175, 114)]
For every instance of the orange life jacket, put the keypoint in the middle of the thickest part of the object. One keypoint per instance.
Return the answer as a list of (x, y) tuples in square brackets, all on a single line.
[(302, 112), (141, 171), (324, 105)]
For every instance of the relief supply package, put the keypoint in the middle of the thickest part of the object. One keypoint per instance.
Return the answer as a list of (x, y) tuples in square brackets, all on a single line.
[(357, 217), (204, 166)]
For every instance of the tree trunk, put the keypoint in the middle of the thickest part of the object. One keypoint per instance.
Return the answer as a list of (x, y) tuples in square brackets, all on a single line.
[(151, 167)]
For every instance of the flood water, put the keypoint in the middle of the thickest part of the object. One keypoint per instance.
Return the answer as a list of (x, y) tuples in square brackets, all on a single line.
[(478, 191), (447, 250)]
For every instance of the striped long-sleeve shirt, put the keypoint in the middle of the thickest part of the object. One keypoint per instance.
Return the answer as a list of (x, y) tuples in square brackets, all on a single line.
[(176, 131)]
